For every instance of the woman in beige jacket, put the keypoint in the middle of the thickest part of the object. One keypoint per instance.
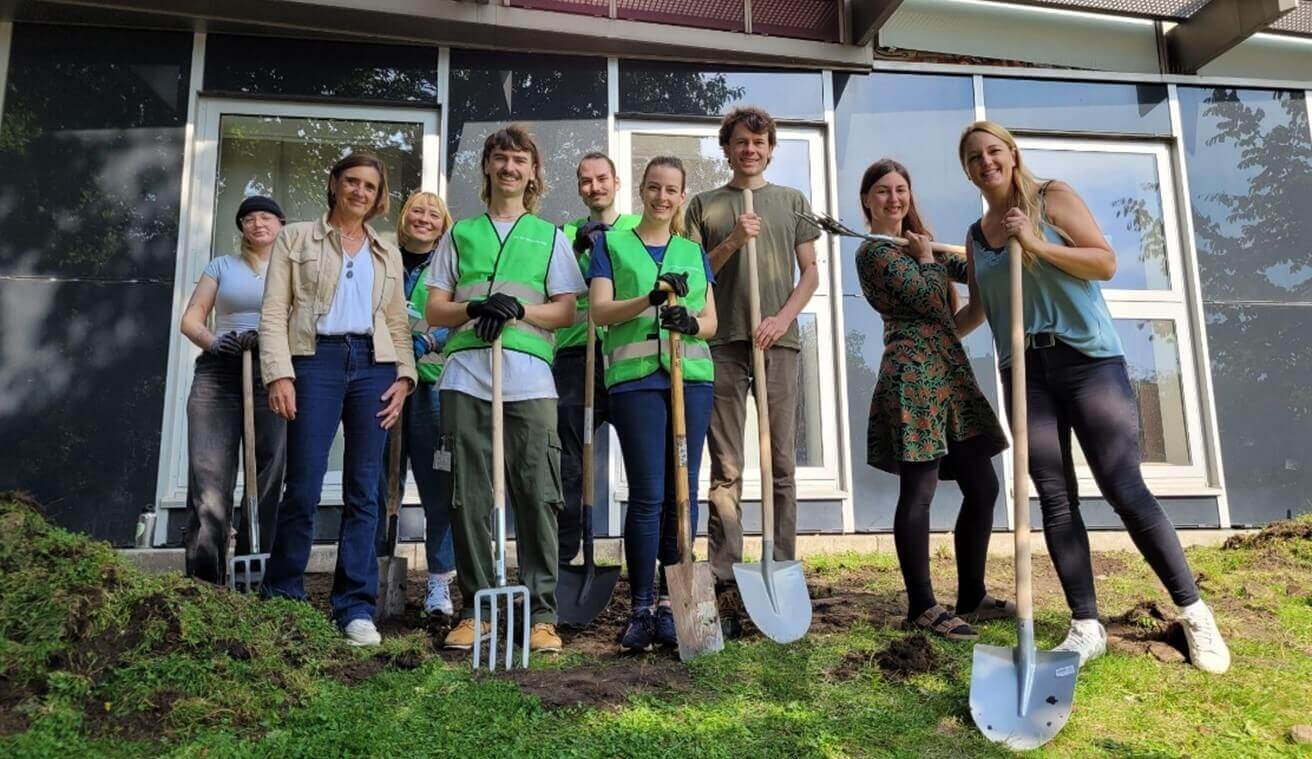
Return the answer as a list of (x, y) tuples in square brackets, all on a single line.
[(335, 349)]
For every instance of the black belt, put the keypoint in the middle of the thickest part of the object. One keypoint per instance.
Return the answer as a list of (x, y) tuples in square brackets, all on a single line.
[(1041, 340), (351, 337)]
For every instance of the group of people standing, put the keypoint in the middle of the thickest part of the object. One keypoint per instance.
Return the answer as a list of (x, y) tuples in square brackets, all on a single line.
[(352, 331)]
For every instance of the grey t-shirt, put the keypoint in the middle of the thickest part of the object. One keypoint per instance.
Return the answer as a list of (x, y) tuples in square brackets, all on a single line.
[(711, 218), (241, 291)]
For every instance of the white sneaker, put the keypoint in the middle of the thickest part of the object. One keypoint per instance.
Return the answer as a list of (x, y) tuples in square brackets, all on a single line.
[(361, 632), (1087, 637), (1207, 650), (438, 599)]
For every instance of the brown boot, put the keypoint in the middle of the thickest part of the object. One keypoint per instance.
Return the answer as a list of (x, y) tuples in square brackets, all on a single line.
[(543, 638), (461, 636)]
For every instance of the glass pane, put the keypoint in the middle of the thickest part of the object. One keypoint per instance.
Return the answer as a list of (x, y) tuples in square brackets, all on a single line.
[(707, 168), (1249, 156), (1125, 195), (1078, 106), (320, 68), (1152, 358), (917, 120), (562, 100), (289, 159), (659, 87)]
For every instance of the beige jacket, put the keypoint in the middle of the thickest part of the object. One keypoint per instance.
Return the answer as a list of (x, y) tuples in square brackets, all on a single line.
[(300, 285)]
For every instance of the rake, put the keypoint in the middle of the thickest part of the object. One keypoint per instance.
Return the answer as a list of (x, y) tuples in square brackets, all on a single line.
[(512, 595), (827, 223)]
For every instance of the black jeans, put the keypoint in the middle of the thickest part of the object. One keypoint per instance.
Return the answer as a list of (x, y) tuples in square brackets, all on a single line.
[(569, 369), (1069, 391)]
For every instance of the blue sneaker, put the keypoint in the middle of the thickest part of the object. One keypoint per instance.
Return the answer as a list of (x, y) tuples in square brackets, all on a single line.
[(640, 632), (665, 632)]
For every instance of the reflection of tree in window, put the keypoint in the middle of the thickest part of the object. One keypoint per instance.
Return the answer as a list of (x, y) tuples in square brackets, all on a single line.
[(1148, 224), (679, 93)]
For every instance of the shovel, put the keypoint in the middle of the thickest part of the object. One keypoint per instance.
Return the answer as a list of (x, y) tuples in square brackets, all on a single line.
[(773, 592), (1021, 697), (692, 590), (501, 595), (392, 568), (584, 592), (246, 572)]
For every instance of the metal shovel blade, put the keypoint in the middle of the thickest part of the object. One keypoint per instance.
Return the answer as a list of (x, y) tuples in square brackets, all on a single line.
[(1022, 701), (509, 597), (583, 592), (696, 615), (775, 596)]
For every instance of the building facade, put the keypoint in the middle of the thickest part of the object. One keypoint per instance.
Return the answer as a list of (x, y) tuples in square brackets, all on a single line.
[(130, 130)]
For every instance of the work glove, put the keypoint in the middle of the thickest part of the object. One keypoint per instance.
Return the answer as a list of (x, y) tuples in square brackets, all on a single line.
[(226, 345), (489, 327), (677, 319), (587, 236), (250, 341), (504, 306), (678, 282)]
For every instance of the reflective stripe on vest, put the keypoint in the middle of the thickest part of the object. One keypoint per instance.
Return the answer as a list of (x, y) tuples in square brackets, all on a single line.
[(516, 266), (430, 365), (577, 334), (638, 347)]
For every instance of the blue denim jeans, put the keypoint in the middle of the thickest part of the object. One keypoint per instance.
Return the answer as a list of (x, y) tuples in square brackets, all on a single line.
[(642, 420), (422, 414), (340, 383)]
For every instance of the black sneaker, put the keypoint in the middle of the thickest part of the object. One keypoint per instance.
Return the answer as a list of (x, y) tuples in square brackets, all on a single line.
[(731, 611), (665, 632), (640, 632)]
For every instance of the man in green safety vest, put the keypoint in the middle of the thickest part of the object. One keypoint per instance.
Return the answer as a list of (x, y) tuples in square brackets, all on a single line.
[(598, 185), (511, 274)]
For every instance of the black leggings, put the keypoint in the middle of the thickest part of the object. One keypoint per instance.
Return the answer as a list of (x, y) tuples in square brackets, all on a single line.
[(979, 490), (1068, 391)]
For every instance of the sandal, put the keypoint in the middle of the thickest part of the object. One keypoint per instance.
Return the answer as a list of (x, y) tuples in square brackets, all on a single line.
[(990, 608), (940, 621)]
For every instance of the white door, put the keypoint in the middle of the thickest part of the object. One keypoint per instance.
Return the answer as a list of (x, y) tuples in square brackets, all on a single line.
[(798, 162), (283, 150)]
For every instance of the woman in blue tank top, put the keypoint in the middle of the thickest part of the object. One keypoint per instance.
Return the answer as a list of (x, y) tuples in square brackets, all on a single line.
[(1076, 380)]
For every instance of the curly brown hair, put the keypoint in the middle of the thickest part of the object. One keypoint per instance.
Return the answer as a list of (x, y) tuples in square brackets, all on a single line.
[(757, 120)]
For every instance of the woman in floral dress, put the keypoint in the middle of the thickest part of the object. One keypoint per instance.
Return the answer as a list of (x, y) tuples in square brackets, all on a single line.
[(928, 418)]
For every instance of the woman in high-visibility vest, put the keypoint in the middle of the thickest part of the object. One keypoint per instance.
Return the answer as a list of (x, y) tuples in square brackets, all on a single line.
[(627, 271)]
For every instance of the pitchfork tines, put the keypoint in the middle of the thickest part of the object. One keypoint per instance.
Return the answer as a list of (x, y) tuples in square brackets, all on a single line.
[(508, 596)]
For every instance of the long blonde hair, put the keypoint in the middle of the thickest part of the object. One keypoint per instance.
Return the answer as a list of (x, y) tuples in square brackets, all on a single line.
[(673, 162), (1026, 189), (403, 238)]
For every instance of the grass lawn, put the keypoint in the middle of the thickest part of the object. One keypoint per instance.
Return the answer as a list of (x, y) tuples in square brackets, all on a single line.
[(97, 659)]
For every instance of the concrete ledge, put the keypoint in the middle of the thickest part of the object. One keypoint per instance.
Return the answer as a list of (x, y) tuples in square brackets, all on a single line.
[(323, 558)]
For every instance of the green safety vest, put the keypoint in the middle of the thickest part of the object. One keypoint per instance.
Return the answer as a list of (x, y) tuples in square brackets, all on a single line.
[(577, 333), (638, 347), (516, 266), (430, 366)]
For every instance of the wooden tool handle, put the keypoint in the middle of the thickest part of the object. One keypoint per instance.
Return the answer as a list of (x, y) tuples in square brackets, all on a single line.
[(1020, 448), (759, 387), (681, 495), (250, 479), (395, 478), (589, 387)]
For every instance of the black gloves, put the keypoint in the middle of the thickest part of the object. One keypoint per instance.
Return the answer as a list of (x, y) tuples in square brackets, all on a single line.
[(678, 282), (587, 236), (250, 341), (677, 319), (491, 315), (227, 345), (505, 306)]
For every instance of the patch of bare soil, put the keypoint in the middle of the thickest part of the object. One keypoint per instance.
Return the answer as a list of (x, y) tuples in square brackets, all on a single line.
[(1276, 532), (852, 665), (1148, 629), (142, 725), (11, 721), (605, 687), (907, 656)]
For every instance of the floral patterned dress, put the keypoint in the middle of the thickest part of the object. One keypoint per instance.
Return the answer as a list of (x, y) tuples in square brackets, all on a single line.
[(926, 398)]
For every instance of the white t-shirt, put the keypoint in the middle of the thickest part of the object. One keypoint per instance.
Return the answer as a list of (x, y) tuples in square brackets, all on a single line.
[(351, 312), (241, 291), (523, 377)]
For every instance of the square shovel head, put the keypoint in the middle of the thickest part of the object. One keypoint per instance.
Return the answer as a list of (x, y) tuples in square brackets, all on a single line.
[(246, 572), (696, 615), (996, 686), (776, 598)]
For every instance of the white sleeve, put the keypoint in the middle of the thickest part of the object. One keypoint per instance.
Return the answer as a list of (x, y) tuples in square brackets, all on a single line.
[(563, 275), (442, 270)]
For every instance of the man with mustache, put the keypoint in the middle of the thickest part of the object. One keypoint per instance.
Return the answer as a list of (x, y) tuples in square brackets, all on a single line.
[(598, 185), (511, 274)]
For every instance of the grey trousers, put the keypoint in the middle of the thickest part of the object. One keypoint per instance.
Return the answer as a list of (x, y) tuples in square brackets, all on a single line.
[(214, 429), (733, 379)]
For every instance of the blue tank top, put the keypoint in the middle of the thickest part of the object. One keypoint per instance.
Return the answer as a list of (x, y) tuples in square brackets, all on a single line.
[(1054, 301)]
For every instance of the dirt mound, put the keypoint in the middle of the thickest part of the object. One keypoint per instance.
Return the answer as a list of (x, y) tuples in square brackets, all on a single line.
[(1276, 532), (1148, 629), (907, 656), (852, 665), (837, 609), (607, 687)]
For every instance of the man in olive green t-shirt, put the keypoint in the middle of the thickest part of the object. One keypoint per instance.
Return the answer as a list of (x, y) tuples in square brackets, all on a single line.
[(784, 244)]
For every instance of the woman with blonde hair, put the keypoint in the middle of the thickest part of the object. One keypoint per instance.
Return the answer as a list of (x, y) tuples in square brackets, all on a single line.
[(231, 287), (1076, 381), (424, 219), (336, 349)]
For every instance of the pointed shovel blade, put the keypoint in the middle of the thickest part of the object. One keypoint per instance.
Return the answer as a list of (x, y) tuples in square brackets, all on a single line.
[(998, 685), (583, 592), (776, 598)]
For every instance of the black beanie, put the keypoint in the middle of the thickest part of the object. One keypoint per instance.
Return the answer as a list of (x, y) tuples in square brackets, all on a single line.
[(259, 203)]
